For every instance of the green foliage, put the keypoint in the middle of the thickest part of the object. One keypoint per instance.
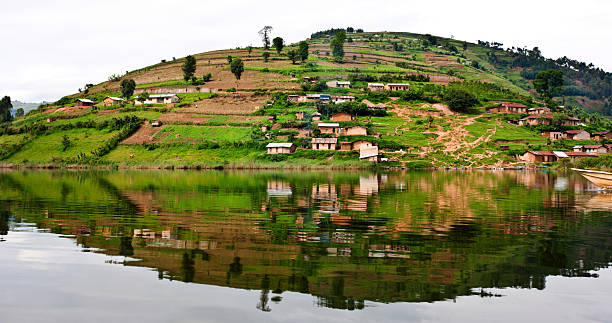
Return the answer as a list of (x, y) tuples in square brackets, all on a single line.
[(19, 112), (459, 100), (65, 142), (229, 59), (266, 56), (337, 46), (237, 67), (293, 56), (5, 109), (127, 88), (303, 51), (278, 44), (189, 67), (548, 83)]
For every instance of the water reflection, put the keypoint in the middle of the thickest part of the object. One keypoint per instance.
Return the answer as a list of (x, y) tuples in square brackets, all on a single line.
[(345, 238)]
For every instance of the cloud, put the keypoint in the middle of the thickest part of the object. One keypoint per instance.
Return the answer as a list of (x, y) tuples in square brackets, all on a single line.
[(58, 46)]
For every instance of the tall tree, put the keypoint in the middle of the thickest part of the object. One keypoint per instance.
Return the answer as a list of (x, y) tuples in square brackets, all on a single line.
[(237, 67), (337, 46), (5, 109), (20, 112), (127, 88), (264, 33), (548, 84), (266, 55), (293, 55), (279, 44), (303, 51), (189, 67), (249, 49)]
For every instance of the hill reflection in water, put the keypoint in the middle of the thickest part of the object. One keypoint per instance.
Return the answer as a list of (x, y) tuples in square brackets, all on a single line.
[(345, 238)]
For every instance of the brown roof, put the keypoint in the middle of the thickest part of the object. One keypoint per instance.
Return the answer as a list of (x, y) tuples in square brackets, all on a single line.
[(542, 153), (592, 146), (579, 153), (535, 116), (601, 133), (574, 132), (573, 119), (514, 105)]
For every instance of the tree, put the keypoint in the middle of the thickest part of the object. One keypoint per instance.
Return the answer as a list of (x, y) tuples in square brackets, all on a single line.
[(465, 45), (303, 51), (127, 88), (229, 59), (189, 67), (278, 43), (359, 30), (293, 55), (337, 46), (65, 142), (5, 109), (264, 33), (459, 100), (237, 67), (143, 96), (266, 55), (350, 30), (548, 84), (249, 49), (19, 112), (206, 77)]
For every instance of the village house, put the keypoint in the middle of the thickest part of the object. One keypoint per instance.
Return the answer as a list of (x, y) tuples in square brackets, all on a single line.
[(553, 135), (508, 108), (342, 98), (591, 149), (539, 157), (374, 106), (348, 146), (572, 122), (83, 103), (576, 135), (572, 155), (329, 128), (111, 100), (159, 99), (280, 148), (535, 120), (397, 87), (156, 123), (341, 116), (541, 110), (324, 143), (369, 154), (355, 131), (316, 116), (376, 87), (601, 135), (340, 84), (293, 98), (299, 115)]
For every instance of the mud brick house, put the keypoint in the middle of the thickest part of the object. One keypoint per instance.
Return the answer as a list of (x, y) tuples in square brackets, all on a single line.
[(324, 143), (280, 148)]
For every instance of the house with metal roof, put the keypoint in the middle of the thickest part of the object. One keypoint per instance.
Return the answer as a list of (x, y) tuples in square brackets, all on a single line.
[(280, 148), (330, 128), (83, 103), (111, 100), (324, 143), (159, 99)]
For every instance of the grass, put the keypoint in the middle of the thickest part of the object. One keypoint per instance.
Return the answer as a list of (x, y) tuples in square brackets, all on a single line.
[(43, 149), (201, 133), (11, 140)]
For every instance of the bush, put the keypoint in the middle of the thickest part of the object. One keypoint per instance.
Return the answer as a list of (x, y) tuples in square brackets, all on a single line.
[(459, 100)]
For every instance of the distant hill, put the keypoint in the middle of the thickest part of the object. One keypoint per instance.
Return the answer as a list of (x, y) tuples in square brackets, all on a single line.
[(26, 106)]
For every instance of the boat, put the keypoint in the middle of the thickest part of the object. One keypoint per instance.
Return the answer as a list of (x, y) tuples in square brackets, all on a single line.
[(599, 178)]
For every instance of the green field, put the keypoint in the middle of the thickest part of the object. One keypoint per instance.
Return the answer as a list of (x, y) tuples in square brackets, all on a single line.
[(200, 133)]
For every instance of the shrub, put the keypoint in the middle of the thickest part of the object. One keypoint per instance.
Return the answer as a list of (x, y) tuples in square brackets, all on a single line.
[(459, 100)]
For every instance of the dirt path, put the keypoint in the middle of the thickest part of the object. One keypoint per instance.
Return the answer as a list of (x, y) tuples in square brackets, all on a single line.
[(143, 135)]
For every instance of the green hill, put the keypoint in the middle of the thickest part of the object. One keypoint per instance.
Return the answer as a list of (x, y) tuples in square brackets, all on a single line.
[(218, 121)]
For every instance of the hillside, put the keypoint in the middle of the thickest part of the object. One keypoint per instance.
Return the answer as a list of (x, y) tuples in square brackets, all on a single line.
[(221, 122)]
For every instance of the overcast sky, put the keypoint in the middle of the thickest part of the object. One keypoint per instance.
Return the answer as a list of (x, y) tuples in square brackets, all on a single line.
[(52, 48)]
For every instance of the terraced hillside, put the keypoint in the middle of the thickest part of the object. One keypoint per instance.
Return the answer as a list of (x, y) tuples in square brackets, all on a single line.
[(228, 122)]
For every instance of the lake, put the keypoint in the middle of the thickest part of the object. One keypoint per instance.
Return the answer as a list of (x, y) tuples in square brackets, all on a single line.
[(300, 246)]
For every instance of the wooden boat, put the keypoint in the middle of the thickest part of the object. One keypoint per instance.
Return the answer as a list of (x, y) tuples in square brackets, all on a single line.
[(601, 179)]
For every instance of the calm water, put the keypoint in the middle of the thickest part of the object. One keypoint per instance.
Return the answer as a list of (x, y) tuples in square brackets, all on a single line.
[(303, 246)]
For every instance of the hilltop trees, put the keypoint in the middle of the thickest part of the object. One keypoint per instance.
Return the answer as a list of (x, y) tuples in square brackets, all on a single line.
[(5, 109), (264, 33), (127, 88), (337, 46), (237, 67), (548, 84), (189, 67), (303, 50), (278, 44)]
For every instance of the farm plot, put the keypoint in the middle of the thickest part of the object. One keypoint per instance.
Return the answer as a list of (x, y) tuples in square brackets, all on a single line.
[(227, 104), (197, 134)]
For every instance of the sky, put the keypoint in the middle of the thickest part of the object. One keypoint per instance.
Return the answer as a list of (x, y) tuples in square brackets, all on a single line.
[(53, 48)]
